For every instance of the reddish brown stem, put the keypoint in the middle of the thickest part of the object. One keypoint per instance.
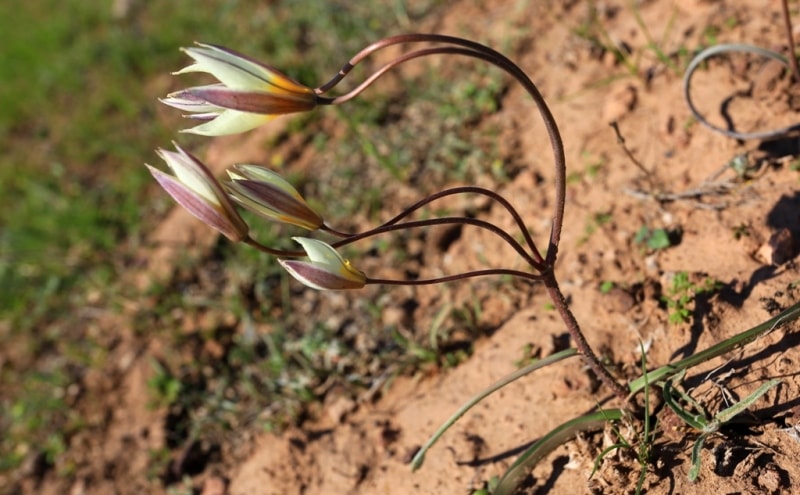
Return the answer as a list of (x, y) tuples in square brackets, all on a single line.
[(476, 50), (483, 52), (575, 332), (787, 20), (443, 221), (461, 276)]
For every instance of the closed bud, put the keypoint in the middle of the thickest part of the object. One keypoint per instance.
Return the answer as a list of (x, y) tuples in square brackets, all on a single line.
[(194, 187), (266, 193), (325, 270)]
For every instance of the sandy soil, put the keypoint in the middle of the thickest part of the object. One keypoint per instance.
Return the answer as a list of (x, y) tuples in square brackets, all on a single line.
[(351, 447)]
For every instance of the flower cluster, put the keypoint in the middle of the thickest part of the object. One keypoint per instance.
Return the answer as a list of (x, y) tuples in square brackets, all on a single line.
[(248, 94), (265, 193)]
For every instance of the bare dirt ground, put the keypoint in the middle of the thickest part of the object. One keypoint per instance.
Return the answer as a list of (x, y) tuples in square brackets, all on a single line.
[(363, 446)]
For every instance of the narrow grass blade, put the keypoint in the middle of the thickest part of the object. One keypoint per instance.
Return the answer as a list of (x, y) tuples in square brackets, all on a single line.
[(696, 421), (419, 458), (516, 473), (726, 415), (723, 347), (645, 444), (602, 455), (678, 377), (714, 51)]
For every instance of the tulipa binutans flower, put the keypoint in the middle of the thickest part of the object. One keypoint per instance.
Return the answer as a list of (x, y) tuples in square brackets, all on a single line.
[(248, 94), (326, 270), (266, 193), (194, 187)]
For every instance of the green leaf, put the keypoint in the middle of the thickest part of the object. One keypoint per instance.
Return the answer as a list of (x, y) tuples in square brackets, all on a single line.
[(696, 421), (739, 340), (561, 434), (698, 446), (419, 458), (659, 239), (602, 455), (641, 235), (726, 415), (606, 286)]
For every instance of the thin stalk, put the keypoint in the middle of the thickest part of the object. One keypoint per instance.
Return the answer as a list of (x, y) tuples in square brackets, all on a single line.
[(461, 190), (334, 232), (443, 50), (496, 58), (575, 332), (273, 251), (461, 276), (402, 226), (477, 50), (491, 194), (442, 221), (787, 22), (489, 55)]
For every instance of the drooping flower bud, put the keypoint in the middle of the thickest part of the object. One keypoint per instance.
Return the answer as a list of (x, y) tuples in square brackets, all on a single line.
[(194, 187), (325, 270), (266, 193)]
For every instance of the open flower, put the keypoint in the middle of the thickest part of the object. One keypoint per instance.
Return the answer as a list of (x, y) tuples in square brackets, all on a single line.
[(248, 95), (326, 270), (194, 187), (266, 193)]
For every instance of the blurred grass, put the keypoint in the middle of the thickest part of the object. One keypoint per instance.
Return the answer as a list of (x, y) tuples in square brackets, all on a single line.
[(79, 117)]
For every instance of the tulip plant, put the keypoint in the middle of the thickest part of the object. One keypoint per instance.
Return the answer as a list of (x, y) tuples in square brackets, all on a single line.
[(249, 94)]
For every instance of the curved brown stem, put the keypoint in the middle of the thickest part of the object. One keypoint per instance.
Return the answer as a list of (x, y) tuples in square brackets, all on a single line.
[(349, 239), (462, 190), (461, 276), (444, 221), (787, 22), (275, 252), (477, 50)]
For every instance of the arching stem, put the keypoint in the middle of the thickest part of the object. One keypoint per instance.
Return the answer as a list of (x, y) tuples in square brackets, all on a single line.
[(476, 50), (461, 276)]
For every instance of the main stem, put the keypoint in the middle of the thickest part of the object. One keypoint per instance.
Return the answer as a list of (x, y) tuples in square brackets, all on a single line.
[(787, 20), (582, 345)]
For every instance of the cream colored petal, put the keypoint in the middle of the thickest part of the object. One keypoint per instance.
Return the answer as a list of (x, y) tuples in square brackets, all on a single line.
[(238, 72), (263, 72), (230, 122), (186, 171), (223, 68), (320, 252)]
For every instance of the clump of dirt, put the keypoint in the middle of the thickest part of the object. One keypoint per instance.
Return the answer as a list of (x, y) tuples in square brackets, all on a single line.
[(672, 176)]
